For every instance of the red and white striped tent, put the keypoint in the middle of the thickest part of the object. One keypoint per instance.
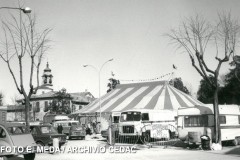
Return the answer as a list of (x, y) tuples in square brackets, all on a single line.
[(150, 95)]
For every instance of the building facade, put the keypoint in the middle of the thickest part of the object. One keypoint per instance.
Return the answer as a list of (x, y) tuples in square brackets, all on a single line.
[(41, 101)]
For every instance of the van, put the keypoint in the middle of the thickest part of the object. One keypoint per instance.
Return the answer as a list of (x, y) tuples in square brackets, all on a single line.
[(147, 124), (50, 118), (72, 129), (194, 122)]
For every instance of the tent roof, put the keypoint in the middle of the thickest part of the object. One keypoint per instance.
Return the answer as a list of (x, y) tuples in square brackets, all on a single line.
[(150, 95)]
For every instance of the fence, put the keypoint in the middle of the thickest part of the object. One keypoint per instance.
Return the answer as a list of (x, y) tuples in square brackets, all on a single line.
[(150, 135)]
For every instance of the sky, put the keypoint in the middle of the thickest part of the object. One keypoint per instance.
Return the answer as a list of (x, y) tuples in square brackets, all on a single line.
[(129, 31)]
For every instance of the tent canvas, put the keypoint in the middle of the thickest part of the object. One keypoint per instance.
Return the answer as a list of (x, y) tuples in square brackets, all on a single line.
[(149, 95)]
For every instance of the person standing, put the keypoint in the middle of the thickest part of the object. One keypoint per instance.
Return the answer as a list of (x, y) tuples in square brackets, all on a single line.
[(60, 129)]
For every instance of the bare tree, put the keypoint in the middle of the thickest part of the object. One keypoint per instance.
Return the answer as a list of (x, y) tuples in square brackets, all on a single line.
[(194, 36), (23, 48)]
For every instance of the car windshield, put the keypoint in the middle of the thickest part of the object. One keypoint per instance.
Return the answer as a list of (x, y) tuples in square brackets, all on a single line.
[(130, 116), (14, 130), (47, 129), (64, 124), (76, 126)]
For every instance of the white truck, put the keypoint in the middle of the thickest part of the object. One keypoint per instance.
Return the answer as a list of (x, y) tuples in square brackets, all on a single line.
[(148, 124), (196, 121)]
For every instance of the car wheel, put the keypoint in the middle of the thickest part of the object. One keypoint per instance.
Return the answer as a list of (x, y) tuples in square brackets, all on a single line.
[(30, 156)]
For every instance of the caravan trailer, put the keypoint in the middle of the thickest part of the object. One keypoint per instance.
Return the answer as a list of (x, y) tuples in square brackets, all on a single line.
[(157, 124), (200, 121)]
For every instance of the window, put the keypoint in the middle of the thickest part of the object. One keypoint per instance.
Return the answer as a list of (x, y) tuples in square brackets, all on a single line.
[(2, 133), (196, 121), (46, 104), (47, 130), (17, 130), (75, 123), (222, 119), (130, 116), (80, 107), (33, 130), (145, 117), (115, 119), (37, 107)]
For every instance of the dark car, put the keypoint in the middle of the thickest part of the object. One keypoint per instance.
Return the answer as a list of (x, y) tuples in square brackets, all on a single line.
[(44, 135), (76, 131), (71, 128), (16, 135)]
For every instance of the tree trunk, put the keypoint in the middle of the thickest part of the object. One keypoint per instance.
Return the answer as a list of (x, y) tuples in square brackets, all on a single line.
[(27, 112), (217, 130)]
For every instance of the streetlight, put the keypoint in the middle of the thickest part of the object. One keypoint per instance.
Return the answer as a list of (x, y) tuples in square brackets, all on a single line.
[(99, 85), (25, 10)]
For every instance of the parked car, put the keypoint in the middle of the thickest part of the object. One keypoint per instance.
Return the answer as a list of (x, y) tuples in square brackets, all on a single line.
[(16, 135), (71, 128), (76, 131), (44, 135)]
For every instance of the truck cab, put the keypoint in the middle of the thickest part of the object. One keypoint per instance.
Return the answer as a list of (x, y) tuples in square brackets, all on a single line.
[(147, 124)]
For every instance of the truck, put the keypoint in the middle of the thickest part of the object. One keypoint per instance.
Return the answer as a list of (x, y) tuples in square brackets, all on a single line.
[(147, 124), (194, 122)]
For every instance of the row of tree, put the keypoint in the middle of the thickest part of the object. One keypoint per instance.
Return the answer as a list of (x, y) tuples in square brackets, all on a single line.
[(197, 36), (229, 91)]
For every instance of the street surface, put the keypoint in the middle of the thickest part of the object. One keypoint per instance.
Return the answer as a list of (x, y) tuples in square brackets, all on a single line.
[(142, 152)]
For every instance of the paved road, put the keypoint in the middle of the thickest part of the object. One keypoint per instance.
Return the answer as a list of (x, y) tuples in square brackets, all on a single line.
[(83, 147)]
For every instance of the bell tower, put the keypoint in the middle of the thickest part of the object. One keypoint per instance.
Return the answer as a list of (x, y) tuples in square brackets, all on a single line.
[(47, 76)]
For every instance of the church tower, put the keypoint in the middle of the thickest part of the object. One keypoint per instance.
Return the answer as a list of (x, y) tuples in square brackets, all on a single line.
[(47, 76)]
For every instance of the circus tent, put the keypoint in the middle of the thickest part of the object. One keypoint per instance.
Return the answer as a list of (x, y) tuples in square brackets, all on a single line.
[(150, 95)]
